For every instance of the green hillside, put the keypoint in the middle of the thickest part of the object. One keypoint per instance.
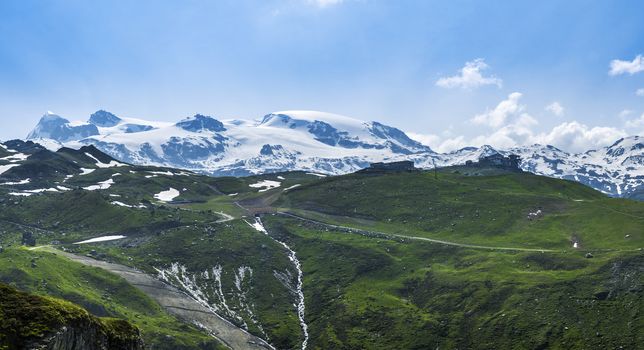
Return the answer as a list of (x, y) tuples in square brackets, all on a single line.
[(487, 210), (409, 260), (30, 321)]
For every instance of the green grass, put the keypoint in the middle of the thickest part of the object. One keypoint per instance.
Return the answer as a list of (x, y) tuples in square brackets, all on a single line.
[(483, 210), (75, 215), (231, 246), (373, 293), (25, 320), (101, 293), (362, 291)]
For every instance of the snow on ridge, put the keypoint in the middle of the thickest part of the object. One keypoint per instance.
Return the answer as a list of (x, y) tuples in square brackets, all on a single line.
[(100, 164), (341, 122), (293, 145)]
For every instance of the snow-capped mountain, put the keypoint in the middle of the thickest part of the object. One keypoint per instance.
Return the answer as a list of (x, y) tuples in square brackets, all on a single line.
[(314, 141), (319, 142), (617, 170)]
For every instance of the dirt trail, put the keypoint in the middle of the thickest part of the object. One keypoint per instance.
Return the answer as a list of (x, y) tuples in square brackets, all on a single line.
[(178, 303), (416, 238)]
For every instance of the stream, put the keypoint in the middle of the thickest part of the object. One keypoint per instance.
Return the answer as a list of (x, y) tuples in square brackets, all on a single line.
[(291, 255)]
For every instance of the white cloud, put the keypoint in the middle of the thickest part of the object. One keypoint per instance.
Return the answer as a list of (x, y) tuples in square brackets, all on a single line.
[(556, 108), (625, 113), (636, 123), (618, 67), (432, 141), (514, 127), (504, 110), (576, 137), (470, 77), (324, 3), (639, 92)]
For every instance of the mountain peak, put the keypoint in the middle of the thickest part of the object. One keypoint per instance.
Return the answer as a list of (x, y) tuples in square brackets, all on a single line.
[(55, 127), (104, 119), (50, 116), (339, 121), (200, 122)]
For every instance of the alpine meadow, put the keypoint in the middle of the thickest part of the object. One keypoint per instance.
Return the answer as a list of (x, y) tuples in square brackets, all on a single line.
[(475, 182)]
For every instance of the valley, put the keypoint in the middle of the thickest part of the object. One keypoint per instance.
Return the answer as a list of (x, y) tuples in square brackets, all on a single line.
[(452, 258)]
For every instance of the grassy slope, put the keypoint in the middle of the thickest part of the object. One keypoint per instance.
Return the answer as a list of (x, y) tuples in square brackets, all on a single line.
[(101, 293), (486, 210), (372, 293), (80, 214), (27, 319), (229, 245)]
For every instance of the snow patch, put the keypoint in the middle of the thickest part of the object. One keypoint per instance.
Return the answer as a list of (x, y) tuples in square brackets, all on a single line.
[(103, 185), (21, 182), (4, 168), (84, 171), (167, 173), (167, 196), (292, 187), (101, 239), (317, 174), (16, 157), (100, 164), (265, 185)]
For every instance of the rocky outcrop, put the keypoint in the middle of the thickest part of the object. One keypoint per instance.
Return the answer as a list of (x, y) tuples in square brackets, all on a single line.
[(91, 336), (35, 322)]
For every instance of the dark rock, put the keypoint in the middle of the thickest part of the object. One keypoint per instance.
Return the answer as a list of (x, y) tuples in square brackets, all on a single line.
[(602, 295), (104, 119), (28, 239), (201, 122)]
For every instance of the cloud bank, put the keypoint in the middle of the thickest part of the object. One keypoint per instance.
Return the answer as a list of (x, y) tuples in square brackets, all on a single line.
[(618, 67), (556, 108), (470, 77), (509, 125)]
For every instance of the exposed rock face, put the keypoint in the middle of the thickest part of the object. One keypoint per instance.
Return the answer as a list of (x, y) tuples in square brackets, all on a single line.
[(28, 239), (87, 336), (201, 122), (55, 127), (104, 119), (34, 322)]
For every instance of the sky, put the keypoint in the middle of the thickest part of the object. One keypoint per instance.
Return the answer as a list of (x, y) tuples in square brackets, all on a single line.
[(450, 73)]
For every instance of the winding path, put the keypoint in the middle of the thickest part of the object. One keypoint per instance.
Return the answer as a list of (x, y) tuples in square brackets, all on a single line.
[(416, 238)]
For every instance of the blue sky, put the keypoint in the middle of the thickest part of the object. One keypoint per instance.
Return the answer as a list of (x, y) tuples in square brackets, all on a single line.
[(452, 73)]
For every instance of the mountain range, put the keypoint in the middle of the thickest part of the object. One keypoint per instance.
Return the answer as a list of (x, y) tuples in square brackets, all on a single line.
[(322, 143)]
